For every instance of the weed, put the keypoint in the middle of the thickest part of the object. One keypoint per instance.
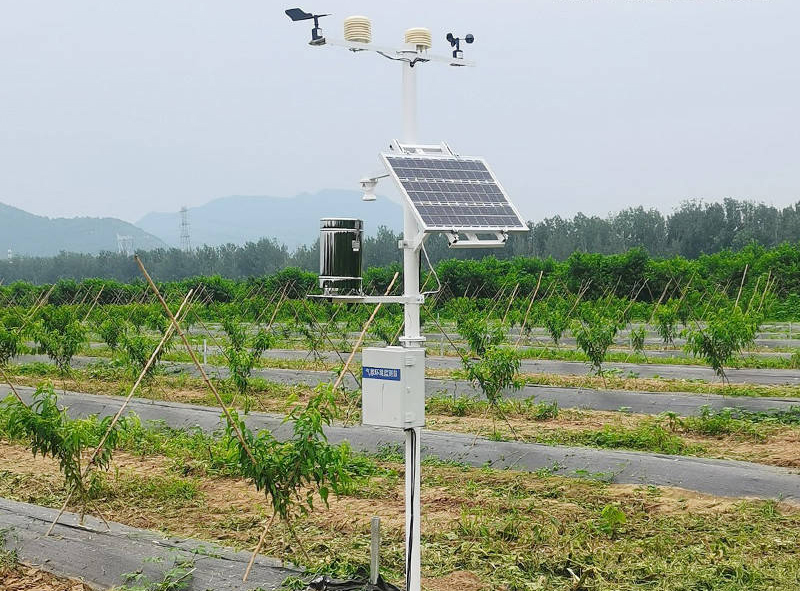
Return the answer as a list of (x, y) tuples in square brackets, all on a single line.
[(8, 558), (177, 578), (611, 520)]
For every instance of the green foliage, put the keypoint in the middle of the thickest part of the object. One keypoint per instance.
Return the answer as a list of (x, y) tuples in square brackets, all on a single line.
[(496, 371), (291, 472), (383, 328), (540, 411), (726, 332), (241, 354), (59, 334), (111, 330), (638, 336), (620, 275), (611, 521), (594, 333), (666, 317), (474, 326), (48, 431), (137, 349), (10, 335), (556, 318), (176, 578), (649, 436), (728, 422)]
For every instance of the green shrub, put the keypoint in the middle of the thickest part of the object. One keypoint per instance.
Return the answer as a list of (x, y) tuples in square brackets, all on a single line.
[(666, 317), (594, 334), (10, 335), (60, 335), (638, 336), (48, 431), (242, 353), (727, 331), (291, 472)]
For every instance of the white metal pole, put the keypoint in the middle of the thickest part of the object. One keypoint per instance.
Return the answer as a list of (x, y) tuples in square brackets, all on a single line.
[(411, 338), (409, 103)]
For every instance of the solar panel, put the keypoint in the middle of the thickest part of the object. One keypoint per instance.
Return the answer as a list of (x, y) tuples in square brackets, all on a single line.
[(451, 193)]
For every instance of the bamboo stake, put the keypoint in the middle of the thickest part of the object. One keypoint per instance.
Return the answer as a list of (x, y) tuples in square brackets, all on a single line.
[(766, 288), (361, 336), (197, 363), (117, 416), (325, 336), (741, 286), (258, 548), (10, 385), (753, 295), (510, 302), (94, 303), (658, 303), (528, 311)]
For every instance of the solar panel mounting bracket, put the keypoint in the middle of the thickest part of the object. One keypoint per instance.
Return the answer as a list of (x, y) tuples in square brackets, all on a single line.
[(441, 149), (472, 240)]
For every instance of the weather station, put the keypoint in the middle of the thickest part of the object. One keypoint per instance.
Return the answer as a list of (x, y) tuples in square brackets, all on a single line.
[(442, 192)]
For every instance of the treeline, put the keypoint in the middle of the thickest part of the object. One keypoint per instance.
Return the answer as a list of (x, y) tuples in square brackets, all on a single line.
[(633, 275), (694, 229)]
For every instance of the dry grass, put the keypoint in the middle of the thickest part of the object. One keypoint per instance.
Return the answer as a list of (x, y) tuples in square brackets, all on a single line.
[(27, 578)]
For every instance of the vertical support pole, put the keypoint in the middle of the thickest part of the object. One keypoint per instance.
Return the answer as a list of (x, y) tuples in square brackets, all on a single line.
[(205, 352), (413, 512), (375, 550), (409, 102), (411, 338)]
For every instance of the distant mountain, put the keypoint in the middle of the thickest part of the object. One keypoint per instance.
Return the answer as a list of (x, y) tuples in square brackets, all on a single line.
[(29, 234), (291, 221)]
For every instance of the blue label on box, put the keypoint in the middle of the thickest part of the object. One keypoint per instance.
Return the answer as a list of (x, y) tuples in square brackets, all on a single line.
[(381, 373)]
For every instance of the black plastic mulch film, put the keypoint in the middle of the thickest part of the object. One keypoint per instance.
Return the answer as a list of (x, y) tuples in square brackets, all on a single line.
[(327, 584)]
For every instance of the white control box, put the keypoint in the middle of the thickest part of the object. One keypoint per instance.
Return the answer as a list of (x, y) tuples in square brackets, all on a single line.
[(393, 387)]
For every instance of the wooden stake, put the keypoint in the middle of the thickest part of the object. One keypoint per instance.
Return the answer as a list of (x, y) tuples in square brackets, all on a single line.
[(117, 416), (528, 311), (258, 548), (510, 301), (361, 336), (94, 303), (741, 286), (197, 363), (10, 385)]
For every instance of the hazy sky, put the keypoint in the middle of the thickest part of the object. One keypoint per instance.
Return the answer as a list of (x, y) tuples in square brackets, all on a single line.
[(119, 108)]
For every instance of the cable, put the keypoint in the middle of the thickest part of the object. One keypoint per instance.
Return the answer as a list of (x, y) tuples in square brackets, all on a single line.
[(409, 61), (435, 274), (413, 463)]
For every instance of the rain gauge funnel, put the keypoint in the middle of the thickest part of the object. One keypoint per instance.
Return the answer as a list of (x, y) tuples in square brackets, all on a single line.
[(340, 242)]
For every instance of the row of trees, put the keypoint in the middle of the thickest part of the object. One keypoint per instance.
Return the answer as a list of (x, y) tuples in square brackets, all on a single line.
[(632, 275), (695, 229)]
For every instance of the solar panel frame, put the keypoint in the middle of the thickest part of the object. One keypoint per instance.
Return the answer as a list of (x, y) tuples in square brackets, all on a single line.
[(464, 197)]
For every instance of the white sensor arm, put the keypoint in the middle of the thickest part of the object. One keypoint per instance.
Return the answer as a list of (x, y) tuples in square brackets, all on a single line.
[(407, 53)]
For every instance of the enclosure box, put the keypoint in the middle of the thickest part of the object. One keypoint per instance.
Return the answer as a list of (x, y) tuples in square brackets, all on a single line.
[(393, 387)]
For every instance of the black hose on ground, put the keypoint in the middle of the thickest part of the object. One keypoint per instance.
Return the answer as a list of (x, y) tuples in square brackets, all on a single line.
[(325, 583)]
